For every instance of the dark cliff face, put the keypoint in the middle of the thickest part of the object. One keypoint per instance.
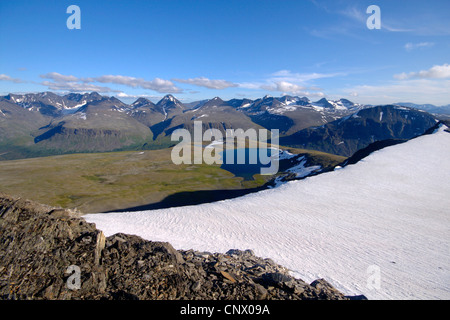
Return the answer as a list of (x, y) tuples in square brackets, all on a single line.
[(48, 253), (347, 135)]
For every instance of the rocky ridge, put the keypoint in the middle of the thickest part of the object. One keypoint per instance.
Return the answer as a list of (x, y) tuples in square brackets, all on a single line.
[(40, 245)]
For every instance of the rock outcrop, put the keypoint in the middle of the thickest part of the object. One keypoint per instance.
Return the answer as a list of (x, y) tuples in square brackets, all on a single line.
[(50, 253)]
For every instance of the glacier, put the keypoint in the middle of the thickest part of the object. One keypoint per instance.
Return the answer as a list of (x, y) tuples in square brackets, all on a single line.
[(390, 213)]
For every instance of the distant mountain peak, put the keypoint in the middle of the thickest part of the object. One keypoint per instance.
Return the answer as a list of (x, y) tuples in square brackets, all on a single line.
[(169, 97), (427, 107), (141, 102), (341, 104), (214, 102), (169, 105), (343, 100), (93, 95), (323, 100), (141, 99), (217, 99)]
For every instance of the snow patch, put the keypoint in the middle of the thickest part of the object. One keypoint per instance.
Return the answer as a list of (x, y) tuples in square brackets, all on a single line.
[(301, 171), (83, 103), (390, 210), (284, 154), (317, 108), (401, 108)]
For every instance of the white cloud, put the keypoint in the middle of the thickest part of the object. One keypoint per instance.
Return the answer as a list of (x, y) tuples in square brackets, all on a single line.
[(287, 75), (55, 76), (208, 83), (354, 13), (435, 72), (283, 81), (124, 95), (413, 90), (4, 77), (287, 82), (136, 96), (390, 28), (157, 84), (284, 86), (251, 85), (75, 87), (411, 46), (361, 17), (76, 84)]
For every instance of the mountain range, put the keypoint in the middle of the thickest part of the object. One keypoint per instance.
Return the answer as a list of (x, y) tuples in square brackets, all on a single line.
[(351, 133), (39, 124), (438, 110)]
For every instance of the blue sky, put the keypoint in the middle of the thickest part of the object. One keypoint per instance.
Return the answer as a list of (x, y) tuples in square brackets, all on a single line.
[(200, 49)]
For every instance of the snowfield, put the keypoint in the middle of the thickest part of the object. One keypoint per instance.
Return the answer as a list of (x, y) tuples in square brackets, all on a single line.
[(380, 227)]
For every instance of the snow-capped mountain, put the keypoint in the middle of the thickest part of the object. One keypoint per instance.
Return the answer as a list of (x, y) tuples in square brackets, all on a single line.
[(214, 103), (274, 105), (286, 104), (170, 106), (49, 103), (142, 102), (290, 100), (80, 99), (445, 110), (214, 113), (336, 105), (240, 103), (146, 112), (288, 114), (348, 134)]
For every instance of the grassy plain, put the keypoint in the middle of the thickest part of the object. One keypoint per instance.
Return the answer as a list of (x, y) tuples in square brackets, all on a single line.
[(109, 181), (99, 182)]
